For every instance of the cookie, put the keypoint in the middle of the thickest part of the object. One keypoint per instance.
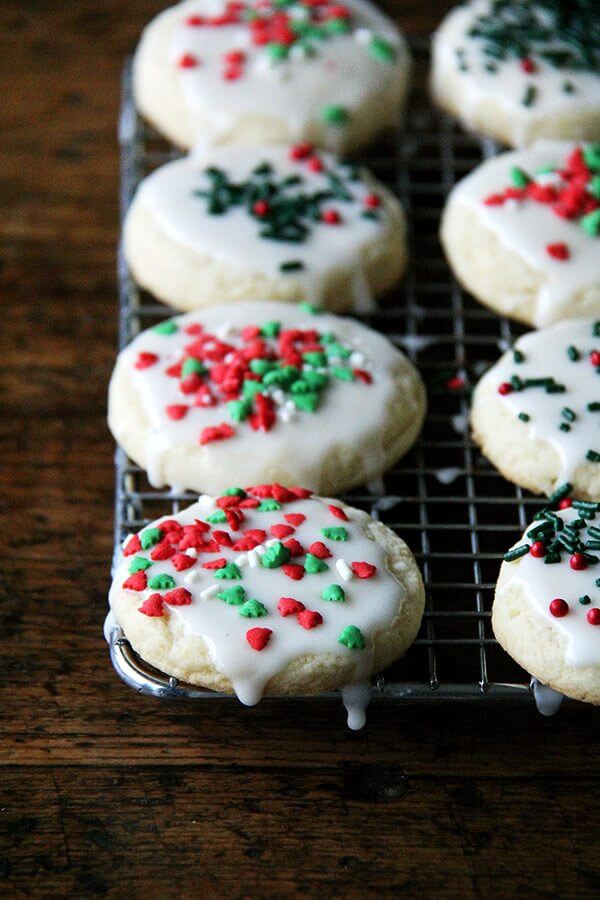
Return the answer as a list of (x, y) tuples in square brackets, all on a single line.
[(268, 591), (212, 72), (269, 391), (521, 71), (536, 412), (522, 232), (280, 223), (546, 611)]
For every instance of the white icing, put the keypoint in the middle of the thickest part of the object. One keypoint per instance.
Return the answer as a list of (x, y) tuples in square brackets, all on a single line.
[(356, 698), (544, 583), (370, 604), (447, 475), (292, 91), (300, 444), (233, 237), (527, 227), (547, 700), (507, 85), (546, 355)]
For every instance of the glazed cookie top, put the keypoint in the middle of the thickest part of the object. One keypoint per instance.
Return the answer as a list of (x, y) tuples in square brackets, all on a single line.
[(296, 61), (268, 382), (536, 58), (557, 564), (550, 380), (265, 576), (279, 211), (544, 203)]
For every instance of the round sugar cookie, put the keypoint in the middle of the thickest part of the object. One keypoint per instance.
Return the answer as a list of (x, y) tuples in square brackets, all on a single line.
[(269, 391), (522, 232), (536, 412), (211, 72), (268, 591), (546, 611), (280, 223), (521, 71)]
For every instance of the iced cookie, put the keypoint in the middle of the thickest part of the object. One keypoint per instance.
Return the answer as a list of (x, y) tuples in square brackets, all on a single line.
[(207, 71), (519, 71), (536, 412), (546, 610), (269, 391), (280, 223), (522, 232), (269, 591)]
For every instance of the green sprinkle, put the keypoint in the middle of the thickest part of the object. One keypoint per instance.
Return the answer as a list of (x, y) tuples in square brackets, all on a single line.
[(283, 377), (268, 506), (523, 417), (551, 558), (275, 556), (276, 51), (260, 366), (337, 26), (150, 537), (519, 177), (564, 427), (592, 456), (239, 409), (315, 380), (568, 414), (516, 553), (382, 50), (338, 350), (217, 518), (529, 96), (161, 582), (313, 565), (315, 358), (591, 223), (306, 402), (568, 87), (234, 492), (253, 609), (593, 407), (342, 374), (193, 366), (560, 493), (335, 114), (518, 356), (138, 564), (291, 265), (270, 329), (591, 155), (573, 353), (352, 637), (300, 386), (334, 593), (585, 600), (250, 389), (335, 533), (594, 187), (168, 327), (234, 596), (227, 572), (310, 308)]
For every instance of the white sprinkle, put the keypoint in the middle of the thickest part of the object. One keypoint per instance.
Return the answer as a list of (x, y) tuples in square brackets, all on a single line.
[(191, 551), (284, 414), (209, 592), (242, 560), (278, 396), (192, 577), (357, 359), (206, 501), (253, 559), (344, 570), (363, 35), (271, 542), (260, 550)]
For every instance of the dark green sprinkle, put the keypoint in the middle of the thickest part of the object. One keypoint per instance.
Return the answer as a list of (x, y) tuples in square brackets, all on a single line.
[(518, 356), (529, 96), (560, 493), (568, 414), (593, 407), (523, 417), (592, 456), (564, 427), (568, 87), (585, 600), (551, 558), (516, 553), (573, 353), (292, 265)]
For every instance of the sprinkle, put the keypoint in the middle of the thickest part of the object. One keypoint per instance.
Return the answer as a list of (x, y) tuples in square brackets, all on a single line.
[(344, 570), (331, 217), (593, 616), (167, 328), (229, 571), (153, 606), (216, 433), (558, 251), (334, 593), (335, 534), (287, 606), (560, 493), (505, 388), (313, 565), (213, 564), (519, 178), (253, 609), (145, 360), (516, 553), (293, 571), (578, 562), (592, 456), (538, 549), (181, 561), (585, 600), (310, 618), (524, 417), (320, 550), (187, 61), (528, 65), (138, 564), (258, 638), (136, 582), (352, 637), (558, 608), (132, 546), (381, 50), (338, 512), (150, 537), (593, 407), (234, 596), (529, 96), (591, 223), (568, 414), (161, 582), (573, 354), (335, 114), (363, 569), (276, 556), (291, 265), (176, 411), (295, 519)]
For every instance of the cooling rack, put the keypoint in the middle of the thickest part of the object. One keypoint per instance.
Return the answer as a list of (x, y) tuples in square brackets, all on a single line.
[(453, 509)]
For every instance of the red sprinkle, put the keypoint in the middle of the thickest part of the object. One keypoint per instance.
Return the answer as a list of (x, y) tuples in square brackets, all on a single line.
[(363, 569), (338, 512), (558, 608), (257, 534), (132, 546), (293, 571), (223, 538), (558, 251), (319, 550), (177, 411), (281, 531), (234, 57), (258, 638), (294, 519), (145, 360), (188, 61), (136, 582), (178, 597), (235, 517), (595, 358), (294, 546), (219, 563), (261, 208), (301, 493), (182, 561), (194, 21), (538, 549), (363, 375), (216, 433), (331, 217), (565, 503), (372, 201), (528, 65), (287, 606), (310, 618), (232, 73), (578, 562), (162, 551), (315, 164), (456, 383), (301, 151), (593, 616), (505, 388), (153, 606)]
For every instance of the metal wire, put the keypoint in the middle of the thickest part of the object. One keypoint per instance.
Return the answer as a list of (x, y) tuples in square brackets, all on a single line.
[(454, 510)]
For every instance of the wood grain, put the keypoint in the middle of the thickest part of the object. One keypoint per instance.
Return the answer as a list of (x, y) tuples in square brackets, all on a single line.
[(108, 793)]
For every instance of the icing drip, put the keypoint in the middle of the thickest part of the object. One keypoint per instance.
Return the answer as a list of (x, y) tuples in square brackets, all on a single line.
[(295, 64), (202, 202), (558, 409), (262, 617), (547, 700), (491, 45), (547, 234), (339, 366), (572, 581)]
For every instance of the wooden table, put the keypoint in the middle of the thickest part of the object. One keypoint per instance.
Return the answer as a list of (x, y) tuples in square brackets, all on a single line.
[(106, 792)]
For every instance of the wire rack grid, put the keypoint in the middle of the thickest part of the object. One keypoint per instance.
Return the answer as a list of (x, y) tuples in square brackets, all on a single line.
[(455, 511)]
